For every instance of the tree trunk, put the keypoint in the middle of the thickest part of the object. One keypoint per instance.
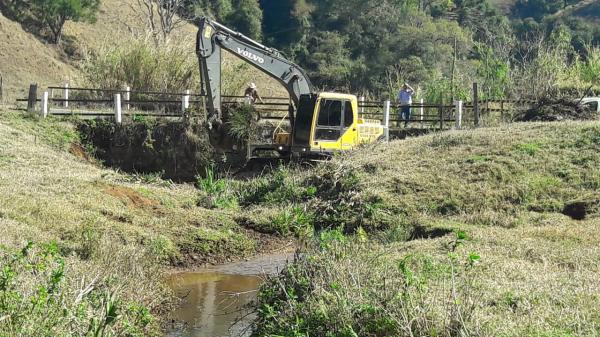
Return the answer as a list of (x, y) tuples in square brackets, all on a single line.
[(56, 28)]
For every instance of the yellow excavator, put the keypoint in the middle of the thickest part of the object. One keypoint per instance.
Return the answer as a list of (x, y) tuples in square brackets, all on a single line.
[(320, 123)]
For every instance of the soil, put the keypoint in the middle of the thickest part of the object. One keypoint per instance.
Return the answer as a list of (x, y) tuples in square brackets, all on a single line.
[(550, 110), (179, 151), (78, 151), (131, 197), (581, 209), (266, 245)]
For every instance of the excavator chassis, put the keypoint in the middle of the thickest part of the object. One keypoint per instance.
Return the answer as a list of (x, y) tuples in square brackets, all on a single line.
[(263, 157), (278, 151)]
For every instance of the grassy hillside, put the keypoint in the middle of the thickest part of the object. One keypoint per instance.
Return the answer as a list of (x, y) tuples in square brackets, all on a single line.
[(462, 233), (99, 237), (26, 59), (473, 239), (58, 195)]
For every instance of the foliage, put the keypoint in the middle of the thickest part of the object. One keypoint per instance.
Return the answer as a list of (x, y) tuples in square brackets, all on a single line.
[(247, 17), (589, 70), (241, 123), (357, 289), (54, 13), (141, 65), (37, 299), (219, 194)]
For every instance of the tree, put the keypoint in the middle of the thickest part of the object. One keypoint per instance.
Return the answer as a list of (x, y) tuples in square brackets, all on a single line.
[(247, 18), (54, 13), (167, 13)]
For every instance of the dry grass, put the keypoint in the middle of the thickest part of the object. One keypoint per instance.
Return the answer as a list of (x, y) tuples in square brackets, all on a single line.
[(113, 230), (524, 270), (25, 59), (58, 193)]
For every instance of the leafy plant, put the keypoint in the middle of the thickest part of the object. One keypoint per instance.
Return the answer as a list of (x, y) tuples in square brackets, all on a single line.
[(218, 191)]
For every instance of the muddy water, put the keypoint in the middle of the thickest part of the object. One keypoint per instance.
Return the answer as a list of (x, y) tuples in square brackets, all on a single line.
[(218, 302)]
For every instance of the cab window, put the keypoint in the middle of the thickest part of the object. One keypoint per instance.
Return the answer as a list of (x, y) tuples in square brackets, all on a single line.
[(348, 114), (592, 105), (330, 113), (334, 117)]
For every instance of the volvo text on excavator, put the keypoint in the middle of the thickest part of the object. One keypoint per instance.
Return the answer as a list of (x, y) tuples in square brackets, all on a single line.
[(320, 123)]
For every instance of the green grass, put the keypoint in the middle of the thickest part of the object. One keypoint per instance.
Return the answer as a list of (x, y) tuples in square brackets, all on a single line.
[(116, 232), (459, 234)]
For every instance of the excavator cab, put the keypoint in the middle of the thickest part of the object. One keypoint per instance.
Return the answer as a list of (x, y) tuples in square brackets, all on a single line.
[(325, 123)]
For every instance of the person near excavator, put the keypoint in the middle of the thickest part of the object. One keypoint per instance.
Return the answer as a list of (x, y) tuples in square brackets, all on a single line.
[(405, 99), (252, 95)]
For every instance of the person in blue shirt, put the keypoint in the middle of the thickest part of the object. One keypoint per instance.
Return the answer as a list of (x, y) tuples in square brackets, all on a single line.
[(405, 99)]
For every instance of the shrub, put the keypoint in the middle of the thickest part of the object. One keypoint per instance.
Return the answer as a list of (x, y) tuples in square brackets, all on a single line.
[(294, 220), (358, 289), (277, 187), (39, 297), (144, 66), (219, 194)]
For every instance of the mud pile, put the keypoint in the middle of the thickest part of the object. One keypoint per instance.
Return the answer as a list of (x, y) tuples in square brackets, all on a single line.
[(556, 110)]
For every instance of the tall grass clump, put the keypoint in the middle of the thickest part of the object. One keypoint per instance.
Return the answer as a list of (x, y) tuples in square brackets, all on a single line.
[(356, 288), (43, 293), (170, 66), (144, 65)]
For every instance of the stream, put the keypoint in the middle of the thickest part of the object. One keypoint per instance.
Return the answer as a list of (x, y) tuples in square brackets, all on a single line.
[(218, 301)]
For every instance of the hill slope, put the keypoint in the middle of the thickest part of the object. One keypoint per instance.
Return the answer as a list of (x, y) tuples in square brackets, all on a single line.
[(25, 59), (116, 233), (474, 240)]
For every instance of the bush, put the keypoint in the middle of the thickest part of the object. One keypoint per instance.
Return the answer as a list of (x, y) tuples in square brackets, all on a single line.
[(39, 297), (219, 193), (358, 289), (144, 66), (282, 186)]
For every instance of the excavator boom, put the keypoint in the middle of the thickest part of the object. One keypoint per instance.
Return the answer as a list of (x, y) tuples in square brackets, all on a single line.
[(213, 37)]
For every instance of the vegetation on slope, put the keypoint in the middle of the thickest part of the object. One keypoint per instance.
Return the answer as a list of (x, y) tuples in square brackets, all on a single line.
[(458, 233), (83, 248), (489, 249)]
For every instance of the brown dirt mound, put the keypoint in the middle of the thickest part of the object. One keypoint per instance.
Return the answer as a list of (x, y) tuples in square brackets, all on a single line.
[(550, 110), (131, 197), (78, 151)]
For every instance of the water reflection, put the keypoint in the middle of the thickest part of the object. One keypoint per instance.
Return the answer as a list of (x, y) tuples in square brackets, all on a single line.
[(212, 302)]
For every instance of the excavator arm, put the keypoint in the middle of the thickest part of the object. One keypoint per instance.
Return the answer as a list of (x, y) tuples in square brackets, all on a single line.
[(213, 37)]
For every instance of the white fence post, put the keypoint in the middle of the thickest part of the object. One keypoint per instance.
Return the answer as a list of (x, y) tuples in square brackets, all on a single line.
[(386, 120), (66, 96), (127, 97), (361, 105), (459, 107), (422, 112), (185, 101), (118, 116), (45, 105)]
